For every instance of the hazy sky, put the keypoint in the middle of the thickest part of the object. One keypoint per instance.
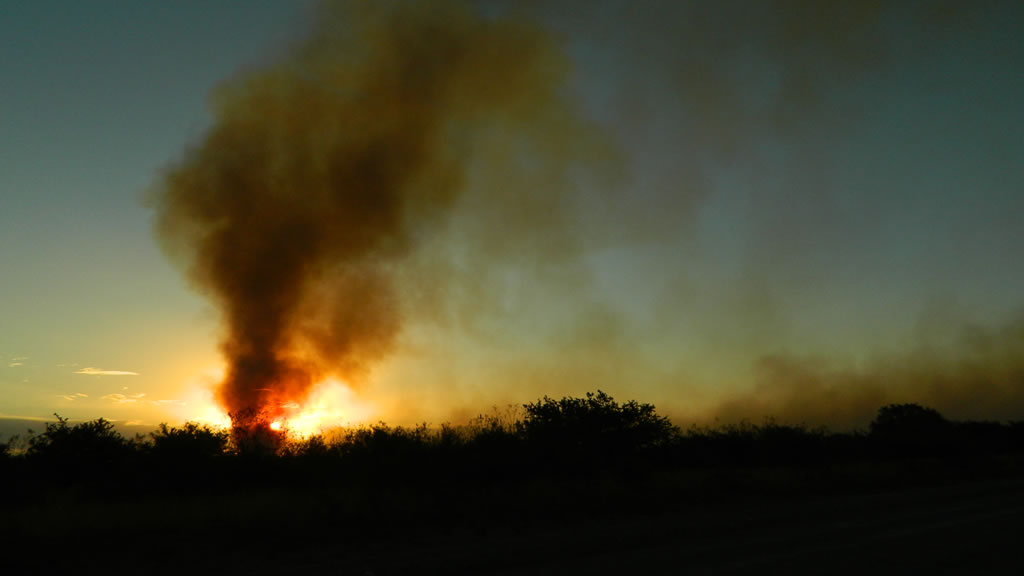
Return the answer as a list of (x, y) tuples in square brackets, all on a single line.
[(787, 209)]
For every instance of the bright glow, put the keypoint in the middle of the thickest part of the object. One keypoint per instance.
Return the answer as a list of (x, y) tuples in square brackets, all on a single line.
[(331, 404), (212, 415), (198, 404)]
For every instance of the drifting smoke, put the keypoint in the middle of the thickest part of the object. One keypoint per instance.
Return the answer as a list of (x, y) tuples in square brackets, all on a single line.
[(978, 376), (325, 171), (638, 197)]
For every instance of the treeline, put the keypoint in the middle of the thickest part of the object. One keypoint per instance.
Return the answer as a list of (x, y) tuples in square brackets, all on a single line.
[(591, 469), (567, 435)]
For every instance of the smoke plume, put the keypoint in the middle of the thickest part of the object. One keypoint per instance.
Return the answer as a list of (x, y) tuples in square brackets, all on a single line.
[(324, 171)]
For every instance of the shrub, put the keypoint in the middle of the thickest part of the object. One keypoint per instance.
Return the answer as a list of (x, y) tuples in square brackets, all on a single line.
[(252, 435), (911, 430), (383, 442), (594, 426), (85, 451), (314, 447), (93, 438), (190, 442), (788, 445)]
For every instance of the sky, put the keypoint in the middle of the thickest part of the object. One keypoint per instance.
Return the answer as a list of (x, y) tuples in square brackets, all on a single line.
[(727, 210)]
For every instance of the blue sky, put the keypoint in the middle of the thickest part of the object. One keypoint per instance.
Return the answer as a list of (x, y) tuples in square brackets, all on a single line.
[(98, 97)]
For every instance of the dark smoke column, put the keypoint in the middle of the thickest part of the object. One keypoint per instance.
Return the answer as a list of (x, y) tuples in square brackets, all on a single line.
[(295, 210)]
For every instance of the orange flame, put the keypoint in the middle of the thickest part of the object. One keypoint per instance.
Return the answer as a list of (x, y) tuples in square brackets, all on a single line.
[(331, 404)]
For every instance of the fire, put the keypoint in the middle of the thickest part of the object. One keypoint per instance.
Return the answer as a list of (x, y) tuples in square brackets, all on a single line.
[(331, 404)]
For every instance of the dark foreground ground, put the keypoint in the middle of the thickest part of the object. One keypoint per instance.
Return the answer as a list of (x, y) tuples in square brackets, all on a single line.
[(961, 529), (915, 517)]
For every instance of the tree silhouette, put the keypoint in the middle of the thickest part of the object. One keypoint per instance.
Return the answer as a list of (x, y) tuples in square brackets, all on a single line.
[(190, 442), (911, 429), (252, 435), (93, 441), (594, 427)]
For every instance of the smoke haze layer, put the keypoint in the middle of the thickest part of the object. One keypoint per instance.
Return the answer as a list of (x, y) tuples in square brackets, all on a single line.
[(710, 206), (978, 374)]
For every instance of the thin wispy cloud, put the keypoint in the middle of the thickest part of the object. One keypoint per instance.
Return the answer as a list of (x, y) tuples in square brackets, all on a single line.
[(75, 396), (167, 402), (123, 398), (15, 364), (93, 371)]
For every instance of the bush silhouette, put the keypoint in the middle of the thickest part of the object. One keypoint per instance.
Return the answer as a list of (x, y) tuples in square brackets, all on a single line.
[(781, 444), (91, 452), (94, 441), (313, 447), (625, 442), (594, 427), (911, 429), (252, 436), (386, 444), (5, 455), (190, 442)]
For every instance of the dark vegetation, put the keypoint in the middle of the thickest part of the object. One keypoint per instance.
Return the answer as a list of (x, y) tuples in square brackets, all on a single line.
[(579, 466), (549, 436)]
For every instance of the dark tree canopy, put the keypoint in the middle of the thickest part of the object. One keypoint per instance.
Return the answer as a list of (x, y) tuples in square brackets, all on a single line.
[(92, 441), (911, 429), (190, 441), (596, 422)]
